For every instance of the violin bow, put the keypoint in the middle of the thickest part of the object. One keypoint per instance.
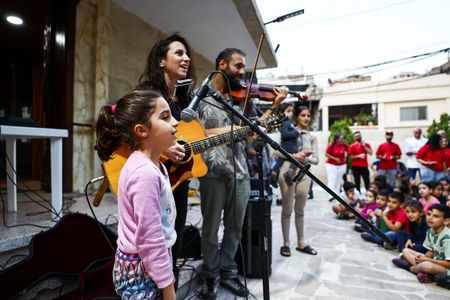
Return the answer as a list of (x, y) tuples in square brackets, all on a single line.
[(249, 86)]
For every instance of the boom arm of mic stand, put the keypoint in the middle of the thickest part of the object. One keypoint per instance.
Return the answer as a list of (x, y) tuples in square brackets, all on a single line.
[(303, 169)]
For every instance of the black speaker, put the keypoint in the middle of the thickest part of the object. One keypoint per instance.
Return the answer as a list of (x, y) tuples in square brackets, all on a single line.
[(251, 242)]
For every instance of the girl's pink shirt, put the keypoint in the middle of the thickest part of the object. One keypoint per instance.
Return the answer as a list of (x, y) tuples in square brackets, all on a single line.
[(147, 216)]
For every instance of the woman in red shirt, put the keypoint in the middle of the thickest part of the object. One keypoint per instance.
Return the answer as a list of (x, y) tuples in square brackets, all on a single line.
[(336, 154), (432, 158)]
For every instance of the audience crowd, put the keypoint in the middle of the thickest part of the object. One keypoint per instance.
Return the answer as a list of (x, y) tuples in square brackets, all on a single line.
[(409, 203)]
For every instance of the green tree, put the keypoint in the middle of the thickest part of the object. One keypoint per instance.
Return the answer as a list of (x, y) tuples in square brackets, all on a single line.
[(444, 121), (343, 127)]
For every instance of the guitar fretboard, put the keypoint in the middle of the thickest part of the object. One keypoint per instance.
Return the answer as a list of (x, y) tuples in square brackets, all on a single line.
[(217, 140)]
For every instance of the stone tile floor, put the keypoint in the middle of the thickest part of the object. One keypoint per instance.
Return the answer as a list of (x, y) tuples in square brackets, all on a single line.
[(346, 267)]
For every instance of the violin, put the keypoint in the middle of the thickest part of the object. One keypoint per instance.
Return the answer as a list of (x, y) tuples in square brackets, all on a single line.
[(261, 91)]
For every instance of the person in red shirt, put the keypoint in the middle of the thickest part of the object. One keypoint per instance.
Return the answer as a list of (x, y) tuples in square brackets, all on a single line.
[(395, 220), (432, 157), (388, 153), (336, 162), (444, 145), (358, 152)]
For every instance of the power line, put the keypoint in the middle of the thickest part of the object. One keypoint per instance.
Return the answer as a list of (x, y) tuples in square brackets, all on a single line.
[(423, 55), (346, 16), (377, 85)]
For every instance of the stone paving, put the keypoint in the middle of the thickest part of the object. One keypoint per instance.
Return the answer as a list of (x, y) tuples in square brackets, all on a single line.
[(346, 267)]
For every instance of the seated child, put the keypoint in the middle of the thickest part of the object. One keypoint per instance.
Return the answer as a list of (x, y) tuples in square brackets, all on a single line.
[(395, 220), (381, 201), (436, 261), (417, 225), (445, 182), (426, 193), (375, 186), (352, 197), (369, 207), (438, 191)]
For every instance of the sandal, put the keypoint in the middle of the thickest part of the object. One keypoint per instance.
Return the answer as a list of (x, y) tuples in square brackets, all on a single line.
[(285, 251), (307, 249)]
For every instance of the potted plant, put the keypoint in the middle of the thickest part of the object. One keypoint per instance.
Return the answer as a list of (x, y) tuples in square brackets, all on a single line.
[(370, 119), (361, 118)]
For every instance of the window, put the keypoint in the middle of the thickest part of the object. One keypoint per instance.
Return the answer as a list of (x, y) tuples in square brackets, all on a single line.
[(413, 113)]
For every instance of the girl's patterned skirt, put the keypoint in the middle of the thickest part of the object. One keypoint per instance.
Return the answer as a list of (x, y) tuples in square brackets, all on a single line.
[(130, 279)]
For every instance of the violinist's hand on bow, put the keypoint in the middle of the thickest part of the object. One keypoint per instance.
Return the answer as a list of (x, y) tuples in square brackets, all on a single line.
[(281, 93)]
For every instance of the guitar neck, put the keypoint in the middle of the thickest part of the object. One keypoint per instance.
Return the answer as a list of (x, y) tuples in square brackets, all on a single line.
[(220, 139)]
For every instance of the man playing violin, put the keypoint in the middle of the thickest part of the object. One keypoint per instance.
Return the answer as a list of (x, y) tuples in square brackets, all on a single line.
[(226, 187)]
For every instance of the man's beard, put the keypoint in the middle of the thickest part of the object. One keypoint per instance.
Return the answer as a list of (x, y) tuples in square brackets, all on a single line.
[(235, 82)]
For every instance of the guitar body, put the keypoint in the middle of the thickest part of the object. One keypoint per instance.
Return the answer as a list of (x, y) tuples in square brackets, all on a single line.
[(192, 164)]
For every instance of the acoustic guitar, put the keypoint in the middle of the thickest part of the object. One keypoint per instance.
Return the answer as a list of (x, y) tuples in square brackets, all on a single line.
[(193, 137)]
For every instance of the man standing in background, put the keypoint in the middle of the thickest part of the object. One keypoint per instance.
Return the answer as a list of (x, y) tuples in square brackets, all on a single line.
[(412, 145), (388, 153), (358, 152)]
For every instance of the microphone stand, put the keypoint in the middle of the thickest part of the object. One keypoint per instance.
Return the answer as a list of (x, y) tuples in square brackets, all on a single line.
[(304, 170)]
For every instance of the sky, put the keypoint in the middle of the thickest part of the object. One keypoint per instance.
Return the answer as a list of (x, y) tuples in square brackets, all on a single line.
[(332, 39)]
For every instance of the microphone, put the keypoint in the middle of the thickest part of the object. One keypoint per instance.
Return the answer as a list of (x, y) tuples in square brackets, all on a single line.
[(188, 114)]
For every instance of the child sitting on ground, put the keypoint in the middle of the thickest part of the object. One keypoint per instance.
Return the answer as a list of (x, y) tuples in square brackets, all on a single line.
[(436, 261), (369, 207), (438, 191), (395, 220), (427, 199), (381, 201), (417, 225), (445, 182), (352, 197)]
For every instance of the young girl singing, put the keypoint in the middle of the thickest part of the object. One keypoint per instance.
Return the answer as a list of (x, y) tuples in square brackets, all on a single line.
[(143, 266)]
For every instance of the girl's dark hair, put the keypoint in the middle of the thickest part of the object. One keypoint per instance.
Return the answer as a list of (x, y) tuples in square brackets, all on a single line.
[(434, 184), (284, 106), (298, 110), (153, 76), (375, 194), (415, 204), (429, 184), (114, 125), (336, 137), (434, 140)]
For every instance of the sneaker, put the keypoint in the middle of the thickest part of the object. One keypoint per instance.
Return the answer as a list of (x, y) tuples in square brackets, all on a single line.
[(358, 228), (389, 246), (424, 278), (368, 237), (235, 285), (211, 289), (442, 280), (401, 263)]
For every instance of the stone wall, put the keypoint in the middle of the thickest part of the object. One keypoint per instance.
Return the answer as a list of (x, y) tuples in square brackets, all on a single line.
[(112, 45)]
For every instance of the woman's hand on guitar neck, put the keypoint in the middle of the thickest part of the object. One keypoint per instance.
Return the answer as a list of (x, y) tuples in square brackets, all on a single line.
[(175, 153)]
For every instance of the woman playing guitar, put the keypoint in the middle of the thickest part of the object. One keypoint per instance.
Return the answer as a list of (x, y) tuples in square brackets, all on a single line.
[(170, 60)]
